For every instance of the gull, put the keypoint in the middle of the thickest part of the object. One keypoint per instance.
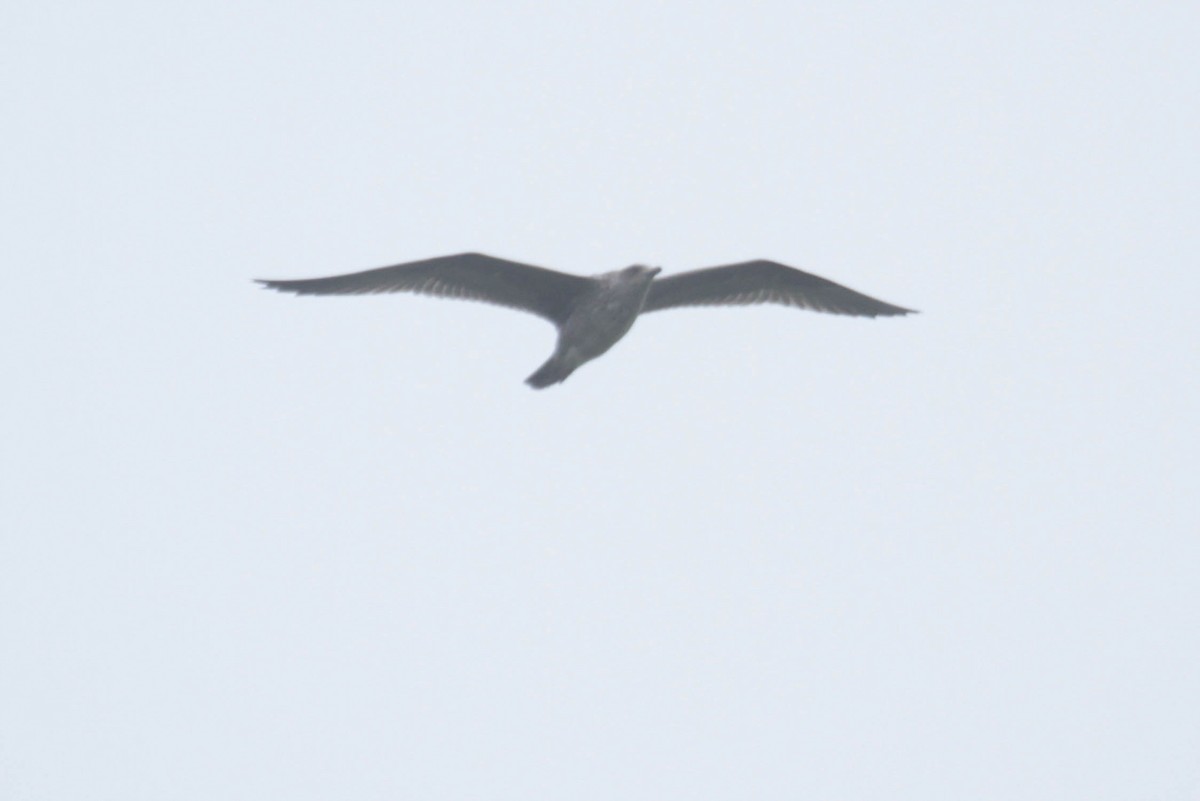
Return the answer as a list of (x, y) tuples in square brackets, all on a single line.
[(592, 313)]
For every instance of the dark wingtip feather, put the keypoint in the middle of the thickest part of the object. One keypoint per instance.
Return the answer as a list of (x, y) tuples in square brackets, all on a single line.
[(895, 311), (296, 287)]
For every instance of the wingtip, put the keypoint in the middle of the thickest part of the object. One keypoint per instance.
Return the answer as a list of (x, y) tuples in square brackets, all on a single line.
[(895, 311)]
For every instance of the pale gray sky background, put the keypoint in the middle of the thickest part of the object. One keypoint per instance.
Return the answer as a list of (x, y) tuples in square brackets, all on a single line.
[(255, 546)]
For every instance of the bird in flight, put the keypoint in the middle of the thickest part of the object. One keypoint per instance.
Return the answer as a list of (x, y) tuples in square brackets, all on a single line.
[(593, 312)]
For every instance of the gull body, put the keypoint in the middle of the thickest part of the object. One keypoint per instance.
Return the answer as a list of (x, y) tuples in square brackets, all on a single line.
[(603, 315)]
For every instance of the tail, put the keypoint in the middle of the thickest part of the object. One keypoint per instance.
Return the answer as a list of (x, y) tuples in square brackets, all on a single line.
[(554, 371)]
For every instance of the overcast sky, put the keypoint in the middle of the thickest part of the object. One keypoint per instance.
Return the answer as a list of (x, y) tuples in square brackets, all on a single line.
[(255, 546)]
